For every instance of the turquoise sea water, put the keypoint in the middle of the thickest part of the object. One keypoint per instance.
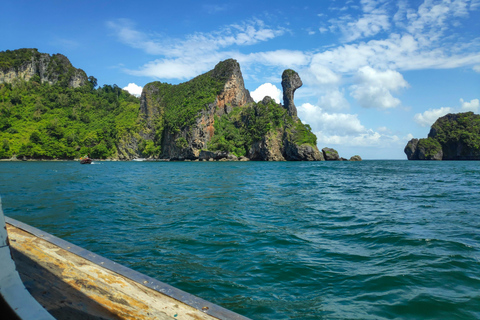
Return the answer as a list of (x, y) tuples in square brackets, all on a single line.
[(283, 240)]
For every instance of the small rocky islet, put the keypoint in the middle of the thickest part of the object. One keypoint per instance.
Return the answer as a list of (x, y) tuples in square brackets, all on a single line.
[(52, 110), (455, 136)]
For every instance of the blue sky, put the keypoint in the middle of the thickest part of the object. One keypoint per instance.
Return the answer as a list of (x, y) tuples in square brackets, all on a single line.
[(375, 73)]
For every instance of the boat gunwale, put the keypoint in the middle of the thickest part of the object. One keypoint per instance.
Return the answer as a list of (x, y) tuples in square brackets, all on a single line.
[(142, 279)]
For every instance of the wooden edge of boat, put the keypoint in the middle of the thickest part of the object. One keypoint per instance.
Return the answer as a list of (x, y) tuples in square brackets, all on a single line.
[(15, 301), (73, 283)]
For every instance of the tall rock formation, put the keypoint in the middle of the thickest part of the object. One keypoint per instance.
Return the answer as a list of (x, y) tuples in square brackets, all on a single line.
[(451, 137), (290, 82), (215, 112), (25, 64)]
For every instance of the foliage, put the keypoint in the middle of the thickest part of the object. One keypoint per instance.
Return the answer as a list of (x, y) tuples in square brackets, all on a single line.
[(56, 68), (237, 131), (304, 135), (182, 103), (430, 146), (57, 122), (460, 127), (14, 59), (181, 143)]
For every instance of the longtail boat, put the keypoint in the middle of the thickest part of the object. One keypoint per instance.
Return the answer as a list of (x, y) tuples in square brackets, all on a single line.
[(43, 277), (85, 161)]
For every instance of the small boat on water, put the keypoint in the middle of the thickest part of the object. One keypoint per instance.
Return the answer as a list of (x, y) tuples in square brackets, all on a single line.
[(85, 161), (43, 277)]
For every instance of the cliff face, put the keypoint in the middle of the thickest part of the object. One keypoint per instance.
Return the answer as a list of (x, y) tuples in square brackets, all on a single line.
[(25, 64), (215, 112), (451, 137)]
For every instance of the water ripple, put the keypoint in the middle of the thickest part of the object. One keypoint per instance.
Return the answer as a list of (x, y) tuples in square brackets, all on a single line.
[(344, 240)]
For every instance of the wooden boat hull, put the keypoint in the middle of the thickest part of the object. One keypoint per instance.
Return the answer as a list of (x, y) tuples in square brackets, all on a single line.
[(73, 283)]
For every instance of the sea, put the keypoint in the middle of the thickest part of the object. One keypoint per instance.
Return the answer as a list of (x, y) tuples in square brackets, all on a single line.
[(274, 240)]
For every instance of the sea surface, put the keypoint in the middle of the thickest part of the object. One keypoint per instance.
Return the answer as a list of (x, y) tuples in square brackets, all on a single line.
[(274, 240)]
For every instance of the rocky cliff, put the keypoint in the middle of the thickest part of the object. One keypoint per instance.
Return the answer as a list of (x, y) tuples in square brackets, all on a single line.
[(451, 137), (54, 69), (214, 112)]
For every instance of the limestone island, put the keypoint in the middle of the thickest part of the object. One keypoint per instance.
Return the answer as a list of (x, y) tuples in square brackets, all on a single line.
[(451, 137), (52, 110)]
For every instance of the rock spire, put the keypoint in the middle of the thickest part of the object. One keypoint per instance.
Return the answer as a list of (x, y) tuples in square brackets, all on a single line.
[(290, 82)]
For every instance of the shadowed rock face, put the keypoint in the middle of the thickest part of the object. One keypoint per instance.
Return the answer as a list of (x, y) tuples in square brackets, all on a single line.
[(290, 82), (451, 137), (330, 154)]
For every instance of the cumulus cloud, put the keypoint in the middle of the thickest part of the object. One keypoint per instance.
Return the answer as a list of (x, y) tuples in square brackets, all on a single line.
[(334, 123), (267, 89), (473, 105), (334, 100), (343, 129), (322, 75), (134, 89), (427, 118), (397, 52), (373, 88), (368, 66)]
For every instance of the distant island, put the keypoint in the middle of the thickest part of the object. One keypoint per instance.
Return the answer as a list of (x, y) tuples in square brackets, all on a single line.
[(52, 110), (451, 137)]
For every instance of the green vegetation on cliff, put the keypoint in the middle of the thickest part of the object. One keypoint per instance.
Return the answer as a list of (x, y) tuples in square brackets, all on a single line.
[(237, 131), (430, 147), (14, 59), (182, 103), (55, 69), (51, 110), (452, 137), (43, 121), (461, 127)]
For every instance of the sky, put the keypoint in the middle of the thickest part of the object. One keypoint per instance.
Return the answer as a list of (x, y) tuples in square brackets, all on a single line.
[(375, 73)]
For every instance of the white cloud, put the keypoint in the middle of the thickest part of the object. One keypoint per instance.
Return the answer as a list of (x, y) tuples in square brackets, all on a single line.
[(267, 89), (343, 129), (366, 26), (322, 75), (325, 71), (334, 123), (280, 58), (427, 118), (373, 88), (181, 68), (134, 89), (333, 100), (373, 20), (397, 52), (383, 129), (197, 53), (473, 105)]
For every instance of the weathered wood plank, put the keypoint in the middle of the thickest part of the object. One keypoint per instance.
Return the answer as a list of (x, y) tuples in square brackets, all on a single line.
[(70, 286)]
